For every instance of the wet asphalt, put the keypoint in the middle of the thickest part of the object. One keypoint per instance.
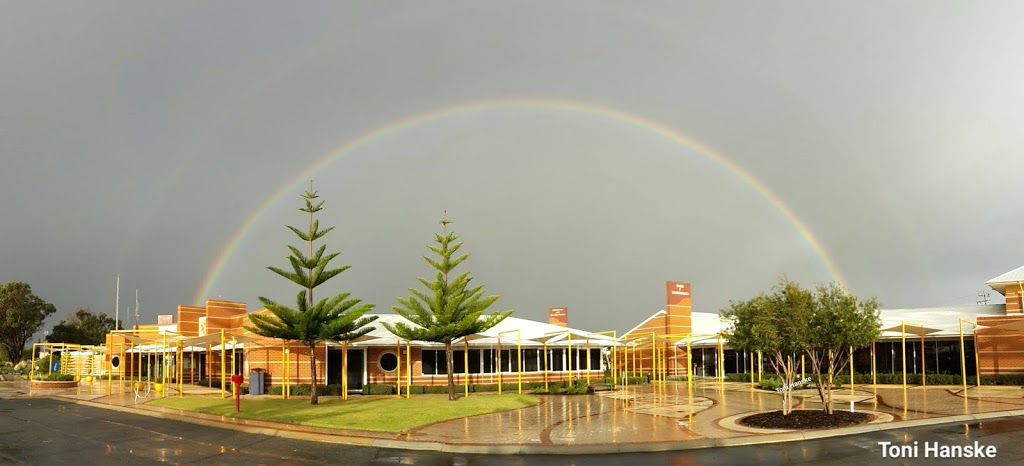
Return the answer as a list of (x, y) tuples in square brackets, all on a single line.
[(47, 432)]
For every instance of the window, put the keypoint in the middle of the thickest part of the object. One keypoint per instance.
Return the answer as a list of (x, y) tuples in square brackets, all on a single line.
[(388, 362), (434, 362)]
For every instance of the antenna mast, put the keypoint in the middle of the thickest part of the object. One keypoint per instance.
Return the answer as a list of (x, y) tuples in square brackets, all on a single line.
[(117, 302), (136, 307)]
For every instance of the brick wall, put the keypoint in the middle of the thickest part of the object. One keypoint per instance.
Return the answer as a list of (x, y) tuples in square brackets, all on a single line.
[(1000, 351)]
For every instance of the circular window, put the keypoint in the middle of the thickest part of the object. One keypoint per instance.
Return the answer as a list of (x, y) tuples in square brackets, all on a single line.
[(388, 362), (115, 362)]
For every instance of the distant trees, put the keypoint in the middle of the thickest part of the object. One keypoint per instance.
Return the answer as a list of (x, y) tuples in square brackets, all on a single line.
[(21, 315), (335, 318), (449, 308), (791, 321), (84, 328)]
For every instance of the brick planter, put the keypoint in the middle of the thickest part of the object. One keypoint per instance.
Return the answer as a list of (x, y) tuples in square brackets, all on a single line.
[(46, 384)]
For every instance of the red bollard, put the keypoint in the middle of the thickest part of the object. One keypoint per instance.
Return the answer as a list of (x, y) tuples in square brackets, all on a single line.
[(237, 380)]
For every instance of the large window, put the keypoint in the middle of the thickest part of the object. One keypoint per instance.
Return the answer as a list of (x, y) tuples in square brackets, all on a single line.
[(486, 361)]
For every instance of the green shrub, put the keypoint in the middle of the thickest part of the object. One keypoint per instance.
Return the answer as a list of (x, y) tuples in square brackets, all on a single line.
[(378, 389), (59, 377), (770, 383)]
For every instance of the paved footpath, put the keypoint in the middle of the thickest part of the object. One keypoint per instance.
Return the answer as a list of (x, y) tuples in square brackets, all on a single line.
[(637, 419)]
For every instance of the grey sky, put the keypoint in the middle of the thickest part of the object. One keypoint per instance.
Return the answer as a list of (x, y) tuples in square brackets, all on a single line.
[(136, 137)]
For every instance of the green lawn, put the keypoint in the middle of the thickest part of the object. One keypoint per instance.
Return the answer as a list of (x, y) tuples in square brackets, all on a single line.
[(377, 414)]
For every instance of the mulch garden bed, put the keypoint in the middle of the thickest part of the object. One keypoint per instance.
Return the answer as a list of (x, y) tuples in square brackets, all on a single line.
[(805, 419)]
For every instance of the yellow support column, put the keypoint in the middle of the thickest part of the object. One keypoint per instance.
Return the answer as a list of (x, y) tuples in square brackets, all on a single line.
[(689, 366), (234, 343), (874, 369), (802, 371), (977, 359), (398, 350), (164, 366), (519, 358), (570, 358), (760, 366), (223, 364), (408, 369), (465, 364), (903, 337), (344, 370), (924, 363), (963, 359), (181, 370), (545, 365), (588, 362), (851, 369)]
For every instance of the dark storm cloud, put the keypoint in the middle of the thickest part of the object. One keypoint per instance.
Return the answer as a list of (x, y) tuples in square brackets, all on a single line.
[(138, 138)]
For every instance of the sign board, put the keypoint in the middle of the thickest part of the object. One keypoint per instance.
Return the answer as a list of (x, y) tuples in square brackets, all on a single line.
[(165, 319), (678, 294), (202, 326), (558, 316)]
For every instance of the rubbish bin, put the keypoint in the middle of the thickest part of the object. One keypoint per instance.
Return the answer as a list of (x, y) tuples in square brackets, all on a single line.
[(256, 383)]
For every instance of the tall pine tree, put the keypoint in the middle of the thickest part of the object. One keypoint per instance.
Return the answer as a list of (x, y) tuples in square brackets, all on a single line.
[(448, 309), (336, 318)]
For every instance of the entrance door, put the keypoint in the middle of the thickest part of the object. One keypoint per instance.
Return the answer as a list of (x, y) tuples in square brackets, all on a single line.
[(356, 369)]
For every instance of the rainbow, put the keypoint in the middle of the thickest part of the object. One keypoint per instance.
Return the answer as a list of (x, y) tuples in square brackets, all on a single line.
[(553, 104)]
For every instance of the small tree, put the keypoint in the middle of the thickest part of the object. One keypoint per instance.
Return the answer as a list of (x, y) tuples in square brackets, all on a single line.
[(337, 318), (449, 309), (21, 315), (839, 322), (776, 325), (84, 327)]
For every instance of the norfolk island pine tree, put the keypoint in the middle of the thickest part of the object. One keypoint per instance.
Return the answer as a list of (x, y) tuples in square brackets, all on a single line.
[(335, 318), (448, 309)]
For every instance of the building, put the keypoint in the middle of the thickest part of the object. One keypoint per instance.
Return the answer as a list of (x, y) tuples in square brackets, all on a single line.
[(201, 337)]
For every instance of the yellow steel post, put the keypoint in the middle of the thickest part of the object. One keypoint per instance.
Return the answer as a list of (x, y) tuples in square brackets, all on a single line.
[(977, 351), (802, 371), (570, 359), (963, 359), (830, 365), (589, 366), (689, 365), (164, 366), (760, 366), (110, 365), (721, 363), (408, 369), (924, 362), (851, 369), (32, 367), (181, 370), (223, 364), (344, 369), (233, 345), (903, 337), (519, 358), (545, 366), (874, 370), (465, 364)]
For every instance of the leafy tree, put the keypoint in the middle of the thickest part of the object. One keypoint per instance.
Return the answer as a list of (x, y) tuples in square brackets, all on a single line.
[(448, 309), (83, 328), (335, 318), (776, 325), (21, 315), (839, 322)]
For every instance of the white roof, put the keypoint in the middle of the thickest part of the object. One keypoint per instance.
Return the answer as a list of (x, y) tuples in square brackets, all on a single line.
[(531, 333), (944, 319), (1014, 276)]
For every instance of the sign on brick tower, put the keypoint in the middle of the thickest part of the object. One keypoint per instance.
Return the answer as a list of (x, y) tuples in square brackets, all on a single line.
[(558, 316)]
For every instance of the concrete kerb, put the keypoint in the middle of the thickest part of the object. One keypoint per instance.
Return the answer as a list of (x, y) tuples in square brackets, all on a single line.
[(533, 449)]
